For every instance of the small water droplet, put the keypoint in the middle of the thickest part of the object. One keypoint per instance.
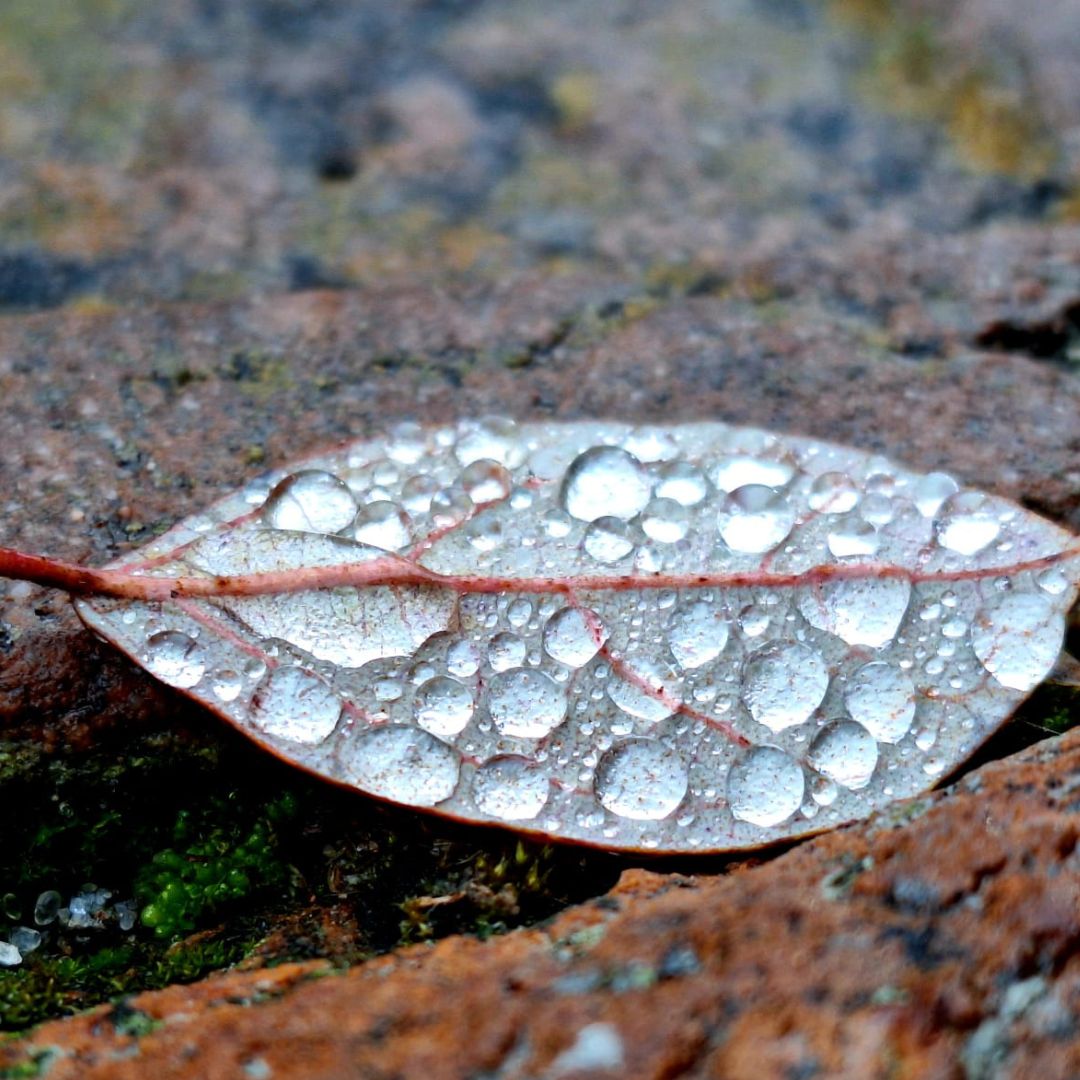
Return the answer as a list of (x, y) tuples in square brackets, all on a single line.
[(292, 704), (844, 752), (642, 779), (485, 481), (382, 524), (25, 938), (766, 787), (557, 523), (47, 907), (485, 533), (574, 636), (823, 791), (967, 522), (931, 491), (9, 955), (526, 703), (511, 788), (403, 764), (697, 634), (605, 482), (833, 493), (755, 519), (449, 507), (860, 611), (608, 540), (1017, 638), (463, 658), (1053, 580), (417, 493), (683, 482), (506, 651), (783, 683), (226, 684), (665, 521), (310, 501), (175, 658), (754, 620), (494, 437), (853, 536), (740, 470), (407, 443), (882, 699), (443, 706)]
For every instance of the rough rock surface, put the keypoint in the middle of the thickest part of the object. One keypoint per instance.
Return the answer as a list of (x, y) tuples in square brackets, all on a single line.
[(938, 939), (232, 233)]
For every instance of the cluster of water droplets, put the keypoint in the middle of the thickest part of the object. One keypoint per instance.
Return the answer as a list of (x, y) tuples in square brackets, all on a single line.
[(694, 715)]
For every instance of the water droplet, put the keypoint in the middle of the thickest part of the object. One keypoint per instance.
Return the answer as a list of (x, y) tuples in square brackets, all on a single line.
[(511, 788), (967, 522), (844, 752), (1053, 580), (9, 955), (174, 658), (642, 779), (485, 481), (25, 938), (823, 791), (766, 787), (665, 521), (443, 706), (1017, 638), (866, 611), (608, 540), (463, 658), (292, 704), (226, 684), (557, 523), (485, 532), (833, 493), (47, 907), (878, 509), (755, 519), (417, 493), (383, 525), (783, 683), (403, 764), (683, 482), (646, 688), (698, 634), (310, 501), (882, 699), (604, 482), (574, 636), (754, 620), (741, 470), (931, 491), (407, 443), (525, 703), (853, 536), (519, 612), (506, 651), (494, 438), (449, 507)]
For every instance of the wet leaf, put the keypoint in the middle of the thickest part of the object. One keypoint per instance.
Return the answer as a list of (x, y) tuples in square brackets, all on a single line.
[(691, 638)]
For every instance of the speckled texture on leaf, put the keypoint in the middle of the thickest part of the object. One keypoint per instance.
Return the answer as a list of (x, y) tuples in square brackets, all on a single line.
[(689, 638)]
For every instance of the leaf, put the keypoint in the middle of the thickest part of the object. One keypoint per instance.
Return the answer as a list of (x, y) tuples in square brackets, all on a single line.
[(693, 638)]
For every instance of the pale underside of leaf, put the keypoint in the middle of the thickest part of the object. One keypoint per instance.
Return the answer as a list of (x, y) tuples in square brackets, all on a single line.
[(691, 638)]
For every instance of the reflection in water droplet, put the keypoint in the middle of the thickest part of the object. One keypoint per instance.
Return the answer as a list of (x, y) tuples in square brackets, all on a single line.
[(697, 634), (403, 764), (511, 788), (383, 525), (865, 611), (783, 683), (642, 779), (608, 540), (882, 699), (1017, 638), (485, 481), (175, 658), (755, 519), (573, 636), (526, 703), (292, 704), (967, 522), (443, 706), (226, 685), (310, 501), (833, 493), (766, 787), (665, 521), (506, 651), (682, 482), (646, 688), (605, 481), (846, 753)]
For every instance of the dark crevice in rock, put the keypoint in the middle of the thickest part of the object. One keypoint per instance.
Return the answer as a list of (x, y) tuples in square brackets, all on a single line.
[(1056, 338)]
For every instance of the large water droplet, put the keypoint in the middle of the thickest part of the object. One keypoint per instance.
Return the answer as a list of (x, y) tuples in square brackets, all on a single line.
[(485, 481), (882, 699), (967, 522), (846, 753), (783, 683), (646, 688), (443, 706), (605, 481), (506, 651), (310, 501), (608, 540), (1017, 638), (175, 658), (755, 519), (574, 636), (766, 787), (382, 524), (833, 493), (525, 703), (697, 634), (511, 788), (293, 704), (861, 611), (403, 764), (641, 778)]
